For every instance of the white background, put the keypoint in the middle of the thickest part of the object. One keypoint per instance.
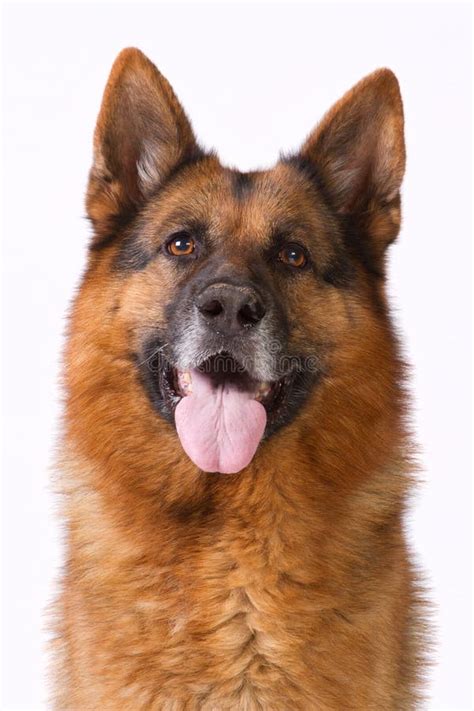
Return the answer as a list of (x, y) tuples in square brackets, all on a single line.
[(254, 79)]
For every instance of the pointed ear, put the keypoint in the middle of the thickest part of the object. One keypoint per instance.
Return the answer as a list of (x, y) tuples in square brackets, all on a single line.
[(142, 135), (358, 151)]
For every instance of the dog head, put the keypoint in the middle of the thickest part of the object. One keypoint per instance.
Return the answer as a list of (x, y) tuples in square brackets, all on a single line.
[(229, 302)]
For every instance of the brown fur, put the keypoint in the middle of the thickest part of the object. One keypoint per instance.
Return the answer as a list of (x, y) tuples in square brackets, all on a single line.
[(287, 586)]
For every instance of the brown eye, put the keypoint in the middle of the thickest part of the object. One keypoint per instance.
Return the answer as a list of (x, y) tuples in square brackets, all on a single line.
[(181, 246), (293, 255)]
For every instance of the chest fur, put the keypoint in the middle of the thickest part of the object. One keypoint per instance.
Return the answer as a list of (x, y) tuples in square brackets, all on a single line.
[(277, 617), (223, 626)]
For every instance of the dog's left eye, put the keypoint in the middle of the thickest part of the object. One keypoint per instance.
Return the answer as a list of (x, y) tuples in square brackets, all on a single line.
[(294, 255), (181, 245)]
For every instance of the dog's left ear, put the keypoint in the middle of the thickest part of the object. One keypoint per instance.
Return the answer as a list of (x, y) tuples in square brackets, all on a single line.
[(142, 135), (358, 152)]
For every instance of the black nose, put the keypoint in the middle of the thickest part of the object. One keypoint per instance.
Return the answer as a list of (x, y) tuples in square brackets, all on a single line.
[(230, 308)]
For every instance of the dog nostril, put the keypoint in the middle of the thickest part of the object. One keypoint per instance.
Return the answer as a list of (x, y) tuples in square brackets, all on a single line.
[(230, 307), (251, 313), (211, 308)]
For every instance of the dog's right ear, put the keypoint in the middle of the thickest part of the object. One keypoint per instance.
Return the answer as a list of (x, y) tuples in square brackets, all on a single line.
[(142, 135)]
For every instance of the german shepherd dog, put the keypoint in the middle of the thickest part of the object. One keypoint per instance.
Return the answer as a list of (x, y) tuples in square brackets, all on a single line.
[(235, 461)]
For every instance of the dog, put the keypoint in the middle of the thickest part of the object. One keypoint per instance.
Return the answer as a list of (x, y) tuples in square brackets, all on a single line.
[(235, 460)]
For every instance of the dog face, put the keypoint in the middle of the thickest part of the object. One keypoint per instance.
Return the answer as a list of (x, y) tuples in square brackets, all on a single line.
[(239, 295)]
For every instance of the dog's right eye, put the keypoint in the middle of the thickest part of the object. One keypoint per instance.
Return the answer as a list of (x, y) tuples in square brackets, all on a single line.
[(181, 245)]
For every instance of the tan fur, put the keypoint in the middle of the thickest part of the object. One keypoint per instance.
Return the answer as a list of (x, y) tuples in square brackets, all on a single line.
[(288, 586)]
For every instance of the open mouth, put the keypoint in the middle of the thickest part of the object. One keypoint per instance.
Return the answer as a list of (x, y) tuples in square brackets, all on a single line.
[(221, 412), (222, 372)]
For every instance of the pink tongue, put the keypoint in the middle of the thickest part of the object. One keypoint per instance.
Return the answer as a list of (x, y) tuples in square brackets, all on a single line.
[(219, 427)]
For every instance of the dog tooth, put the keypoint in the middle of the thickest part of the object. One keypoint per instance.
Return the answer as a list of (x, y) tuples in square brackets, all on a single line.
[(185, 381), (262, 390)]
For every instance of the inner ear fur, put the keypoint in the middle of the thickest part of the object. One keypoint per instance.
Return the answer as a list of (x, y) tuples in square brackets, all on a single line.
[(358, 151), (142, 135)]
